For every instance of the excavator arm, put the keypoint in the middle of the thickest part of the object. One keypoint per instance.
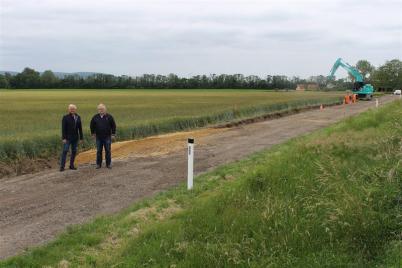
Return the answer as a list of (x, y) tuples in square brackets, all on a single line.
[(364, 91), (350, 69)]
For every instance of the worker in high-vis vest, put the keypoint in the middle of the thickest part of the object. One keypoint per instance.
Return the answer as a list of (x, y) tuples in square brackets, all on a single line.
[(354, 98), (346, 99)]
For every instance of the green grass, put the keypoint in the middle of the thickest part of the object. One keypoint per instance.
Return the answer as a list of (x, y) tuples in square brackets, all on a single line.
[(31, 119), (329, 199)]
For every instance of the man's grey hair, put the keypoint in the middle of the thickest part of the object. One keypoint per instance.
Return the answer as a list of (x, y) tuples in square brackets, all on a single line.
[(102, 106), (72, 106)]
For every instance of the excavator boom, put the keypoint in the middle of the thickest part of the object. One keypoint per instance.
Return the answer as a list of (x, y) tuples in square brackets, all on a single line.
[(364, 91), (350, 69)]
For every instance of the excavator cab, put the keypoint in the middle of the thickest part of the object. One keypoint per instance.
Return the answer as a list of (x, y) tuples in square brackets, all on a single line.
[(357, 85)]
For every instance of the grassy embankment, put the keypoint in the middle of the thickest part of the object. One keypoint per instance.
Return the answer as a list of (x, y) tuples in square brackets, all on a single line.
[(31, 119), (329, 199)]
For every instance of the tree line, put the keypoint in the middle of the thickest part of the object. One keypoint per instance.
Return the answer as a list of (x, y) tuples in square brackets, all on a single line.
[(385, 77), (29, 78)]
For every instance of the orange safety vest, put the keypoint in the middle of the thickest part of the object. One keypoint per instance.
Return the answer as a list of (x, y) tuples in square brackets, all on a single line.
[(347, 99)]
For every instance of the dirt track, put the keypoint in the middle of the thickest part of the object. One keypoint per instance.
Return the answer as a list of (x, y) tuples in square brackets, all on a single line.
[(35, 208)]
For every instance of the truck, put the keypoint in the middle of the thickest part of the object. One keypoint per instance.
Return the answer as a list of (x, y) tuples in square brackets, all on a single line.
[(362, 90)]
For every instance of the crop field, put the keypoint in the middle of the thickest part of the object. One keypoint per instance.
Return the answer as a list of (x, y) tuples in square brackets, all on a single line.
[(31, 119)]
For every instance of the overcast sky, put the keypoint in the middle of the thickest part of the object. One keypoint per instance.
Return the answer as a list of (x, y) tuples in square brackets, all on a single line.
[(191, 37)]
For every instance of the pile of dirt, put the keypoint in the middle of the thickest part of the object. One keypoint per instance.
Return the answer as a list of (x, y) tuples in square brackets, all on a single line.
[(151, 146)]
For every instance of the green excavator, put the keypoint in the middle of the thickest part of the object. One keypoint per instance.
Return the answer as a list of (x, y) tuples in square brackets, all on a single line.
[(364, 91)]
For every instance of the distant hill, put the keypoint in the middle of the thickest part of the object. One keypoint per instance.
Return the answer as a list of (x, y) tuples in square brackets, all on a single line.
[(10, 72), (81, 74), (58, 74)]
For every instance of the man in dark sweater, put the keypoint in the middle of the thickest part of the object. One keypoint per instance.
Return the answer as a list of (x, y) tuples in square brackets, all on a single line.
[(71, 129), (103, 129)]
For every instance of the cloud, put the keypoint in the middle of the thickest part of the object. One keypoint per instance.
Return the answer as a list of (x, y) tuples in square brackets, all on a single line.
[(195, 36)]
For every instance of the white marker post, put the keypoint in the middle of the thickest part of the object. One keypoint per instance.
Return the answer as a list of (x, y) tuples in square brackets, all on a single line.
[(376, 103), (190, 166)]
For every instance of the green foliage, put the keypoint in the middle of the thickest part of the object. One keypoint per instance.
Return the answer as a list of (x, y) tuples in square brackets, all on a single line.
[(330, 199), (388, 77), (365, 68), (28, 78), (3, 81), (48, 79)]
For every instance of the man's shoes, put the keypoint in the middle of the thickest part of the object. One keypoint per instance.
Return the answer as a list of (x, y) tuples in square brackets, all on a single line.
[(61, 169), (98, 166), (109, 167), (73, 168)]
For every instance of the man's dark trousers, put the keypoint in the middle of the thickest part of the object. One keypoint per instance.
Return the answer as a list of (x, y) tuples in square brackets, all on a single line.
[(100, 144), (66, 148)]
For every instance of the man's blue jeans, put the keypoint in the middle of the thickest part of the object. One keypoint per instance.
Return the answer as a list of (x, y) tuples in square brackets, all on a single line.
[(66, 148), (100, 144)]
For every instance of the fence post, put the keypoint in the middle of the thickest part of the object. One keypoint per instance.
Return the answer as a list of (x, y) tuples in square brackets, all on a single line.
[(190, 163)]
